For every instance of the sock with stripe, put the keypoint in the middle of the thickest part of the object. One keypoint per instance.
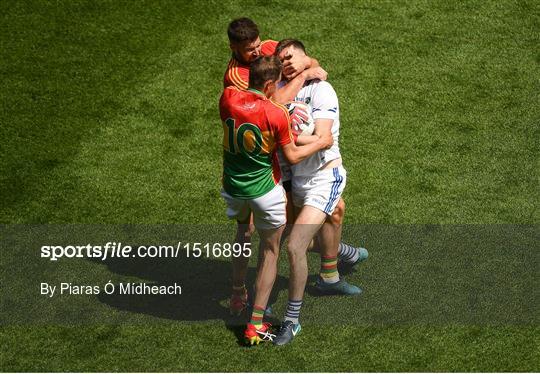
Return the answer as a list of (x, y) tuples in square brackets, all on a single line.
[(292, 313), (348, 253), (257, 316), (329, 272)]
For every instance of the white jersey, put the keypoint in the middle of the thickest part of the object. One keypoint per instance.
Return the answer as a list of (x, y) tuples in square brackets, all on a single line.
[(323, 101)]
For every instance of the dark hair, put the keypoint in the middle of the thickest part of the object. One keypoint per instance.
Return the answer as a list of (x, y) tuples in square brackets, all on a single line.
[(241, 30), (285, 43), (263, 69)]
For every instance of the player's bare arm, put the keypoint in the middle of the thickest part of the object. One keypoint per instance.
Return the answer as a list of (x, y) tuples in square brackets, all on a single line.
[(297, 64), (287, 93), (306, 139), (323, 127), (295, 154)]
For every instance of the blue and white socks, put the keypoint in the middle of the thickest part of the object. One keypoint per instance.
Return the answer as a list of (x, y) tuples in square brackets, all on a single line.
[(348, 253), (292, 313)]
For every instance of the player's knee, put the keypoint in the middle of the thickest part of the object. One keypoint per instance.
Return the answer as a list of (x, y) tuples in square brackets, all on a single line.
[(270, 249), (295, 251), (245, 231), (269, 257), (339, 212), (340, 208)]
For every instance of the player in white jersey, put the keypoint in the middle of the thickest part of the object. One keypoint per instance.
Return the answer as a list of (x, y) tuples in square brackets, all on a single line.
[(348, 256), (317, 185)]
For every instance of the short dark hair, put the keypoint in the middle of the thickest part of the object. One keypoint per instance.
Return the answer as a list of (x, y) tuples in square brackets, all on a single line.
[(263, 69), (241, 30), (285, 43)]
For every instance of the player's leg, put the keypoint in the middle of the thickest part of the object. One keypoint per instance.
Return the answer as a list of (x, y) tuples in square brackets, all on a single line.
[(269, 218), (257, 330), (290, 206), (292, 214), (286, 179), (329, 186), (325, 194), (266, 273), (328, 239), (239, 296), (307, 224), (239, 210), (348, 255), (329, 281)]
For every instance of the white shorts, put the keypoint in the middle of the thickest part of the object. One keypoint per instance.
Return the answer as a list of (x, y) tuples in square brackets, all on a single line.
[(268, 209), (321, 190)]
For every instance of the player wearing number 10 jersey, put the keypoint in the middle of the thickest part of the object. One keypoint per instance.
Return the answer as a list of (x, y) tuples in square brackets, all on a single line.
[(253, 127)]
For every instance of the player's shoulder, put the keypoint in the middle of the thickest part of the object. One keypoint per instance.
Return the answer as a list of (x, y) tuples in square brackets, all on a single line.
[(268, 47), (322, 88), (322, 85), (231, 90), (230, 93), (236, 74), (235, 64), (276, 110), (269, 42)]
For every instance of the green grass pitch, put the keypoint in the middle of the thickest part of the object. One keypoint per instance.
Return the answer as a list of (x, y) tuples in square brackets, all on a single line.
[(109, 115)]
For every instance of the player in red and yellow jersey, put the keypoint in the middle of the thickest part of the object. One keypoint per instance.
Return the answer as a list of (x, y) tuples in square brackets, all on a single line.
[(237, 73), (246, 46), (253, 128)]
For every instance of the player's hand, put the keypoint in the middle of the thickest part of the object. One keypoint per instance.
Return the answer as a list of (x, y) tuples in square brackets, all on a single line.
[(298, 116), (326, 141), (294, 65), (315, 73)]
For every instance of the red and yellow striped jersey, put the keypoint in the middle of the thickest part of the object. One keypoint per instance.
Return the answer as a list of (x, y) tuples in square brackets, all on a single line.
[(237, 74), (253, 127)]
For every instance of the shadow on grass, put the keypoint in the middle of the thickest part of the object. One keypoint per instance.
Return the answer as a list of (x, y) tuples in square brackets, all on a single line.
[(205, 284)]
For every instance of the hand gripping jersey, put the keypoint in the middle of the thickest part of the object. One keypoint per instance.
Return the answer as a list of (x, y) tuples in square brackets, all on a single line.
[(253, 126), (237, 74), (322, 98)]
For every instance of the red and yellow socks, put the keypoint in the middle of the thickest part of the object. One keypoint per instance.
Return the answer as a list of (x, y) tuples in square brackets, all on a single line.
[(329, 272), (257, 316)]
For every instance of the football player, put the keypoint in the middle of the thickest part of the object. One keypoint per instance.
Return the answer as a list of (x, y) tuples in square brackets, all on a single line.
[(253, 126), (317, 185)]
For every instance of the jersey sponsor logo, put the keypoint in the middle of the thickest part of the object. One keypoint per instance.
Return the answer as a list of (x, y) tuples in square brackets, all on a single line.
[(319, 201)]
